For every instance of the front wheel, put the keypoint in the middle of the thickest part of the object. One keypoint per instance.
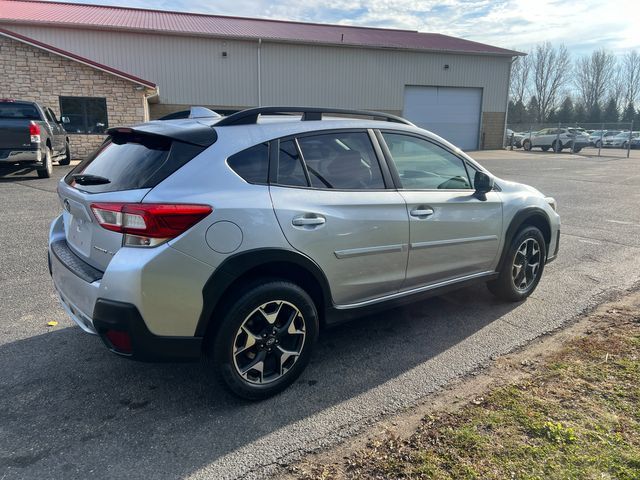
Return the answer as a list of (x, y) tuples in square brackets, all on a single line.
[(598, 144), (522, 267), (47, 169), (526, 145), (265, 339), (557, 146)]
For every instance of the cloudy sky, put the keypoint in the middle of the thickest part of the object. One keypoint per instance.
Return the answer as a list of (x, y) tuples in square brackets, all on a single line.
[(582, 25)]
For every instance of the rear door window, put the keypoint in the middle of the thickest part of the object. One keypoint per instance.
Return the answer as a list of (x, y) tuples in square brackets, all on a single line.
[(132, 162), (341, 160)]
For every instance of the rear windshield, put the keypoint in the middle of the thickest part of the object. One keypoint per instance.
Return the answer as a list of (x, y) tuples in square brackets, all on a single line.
[(19, 111), (134, 162)]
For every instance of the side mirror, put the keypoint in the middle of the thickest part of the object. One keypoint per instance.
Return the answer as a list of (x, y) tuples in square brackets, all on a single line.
[(65, 120), (483, 184)]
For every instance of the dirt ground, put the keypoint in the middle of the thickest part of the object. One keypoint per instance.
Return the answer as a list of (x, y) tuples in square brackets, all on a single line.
[(568, 367)]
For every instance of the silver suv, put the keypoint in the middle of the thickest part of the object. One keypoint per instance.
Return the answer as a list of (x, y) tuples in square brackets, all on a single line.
[(239, 237)]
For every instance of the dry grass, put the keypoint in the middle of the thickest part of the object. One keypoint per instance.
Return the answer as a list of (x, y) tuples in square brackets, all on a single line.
[(577, 416)]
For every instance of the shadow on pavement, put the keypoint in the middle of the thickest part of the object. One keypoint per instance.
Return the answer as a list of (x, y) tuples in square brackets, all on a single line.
[(70, 409)]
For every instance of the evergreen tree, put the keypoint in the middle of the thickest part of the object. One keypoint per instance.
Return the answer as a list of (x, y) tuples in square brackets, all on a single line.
[(610, 114), (533, 110), (628, 113), (579, 113), (520, 112), (566, 114), (594, 115)]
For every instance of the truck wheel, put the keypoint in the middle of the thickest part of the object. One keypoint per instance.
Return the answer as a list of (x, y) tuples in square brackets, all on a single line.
[(66, 160), (522, 267), (265, 339), (47, 169)]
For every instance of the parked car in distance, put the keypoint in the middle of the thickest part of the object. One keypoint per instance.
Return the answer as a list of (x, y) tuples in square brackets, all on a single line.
[(635, 141), (31, 136), (621, 140), (556, 139), (238, 237), (597, 137), (511, 136)]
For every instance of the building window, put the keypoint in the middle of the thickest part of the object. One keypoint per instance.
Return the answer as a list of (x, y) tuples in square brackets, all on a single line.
[(86, 115)]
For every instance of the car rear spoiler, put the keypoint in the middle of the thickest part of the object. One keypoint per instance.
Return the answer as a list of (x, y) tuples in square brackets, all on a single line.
[(187, 131)]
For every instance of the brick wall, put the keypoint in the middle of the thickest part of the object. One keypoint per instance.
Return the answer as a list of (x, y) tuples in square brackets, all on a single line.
[(492, 130), (29, 73)]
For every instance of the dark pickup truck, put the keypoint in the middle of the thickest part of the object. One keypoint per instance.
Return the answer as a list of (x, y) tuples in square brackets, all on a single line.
[(31, 136)]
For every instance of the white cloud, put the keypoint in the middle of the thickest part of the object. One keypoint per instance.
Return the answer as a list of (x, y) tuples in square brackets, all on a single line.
[(581, 25)]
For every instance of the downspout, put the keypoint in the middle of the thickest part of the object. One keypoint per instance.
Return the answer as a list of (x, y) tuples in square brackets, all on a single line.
[(259, 72), (506, 103)]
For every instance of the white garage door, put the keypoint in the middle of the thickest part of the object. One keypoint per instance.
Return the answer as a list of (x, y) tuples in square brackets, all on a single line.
[(453, 113)]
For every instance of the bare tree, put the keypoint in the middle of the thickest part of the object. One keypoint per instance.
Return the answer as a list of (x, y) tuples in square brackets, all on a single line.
[(630, 77), (594, 77), (551, 68), (520, 79)]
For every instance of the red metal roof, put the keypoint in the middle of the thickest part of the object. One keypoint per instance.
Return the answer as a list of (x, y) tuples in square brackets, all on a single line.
[(77, 58), (118, 18)]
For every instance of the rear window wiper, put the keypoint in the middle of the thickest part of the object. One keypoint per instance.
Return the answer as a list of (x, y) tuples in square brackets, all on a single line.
[(88, 179)]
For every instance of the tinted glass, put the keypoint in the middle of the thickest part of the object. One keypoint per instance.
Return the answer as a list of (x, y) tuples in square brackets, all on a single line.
[(425, 165), (252, 164), (343, 160), (128, 165), (86, 115), (290, 170), (18, 111)]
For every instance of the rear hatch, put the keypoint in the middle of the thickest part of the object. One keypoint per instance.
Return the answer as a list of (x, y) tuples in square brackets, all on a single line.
[(122, 171), (15, 119)]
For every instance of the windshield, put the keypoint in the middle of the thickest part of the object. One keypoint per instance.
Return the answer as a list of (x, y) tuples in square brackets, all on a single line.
[(19, 111)]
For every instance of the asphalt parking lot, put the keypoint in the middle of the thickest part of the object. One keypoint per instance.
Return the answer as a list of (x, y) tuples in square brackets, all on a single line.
[(69, 409)]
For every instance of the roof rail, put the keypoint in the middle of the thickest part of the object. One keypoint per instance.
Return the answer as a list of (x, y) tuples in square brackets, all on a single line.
[(250, 115)]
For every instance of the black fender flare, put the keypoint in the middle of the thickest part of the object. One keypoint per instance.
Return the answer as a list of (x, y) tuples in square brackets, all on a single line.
[(517, 221), (235, 266)]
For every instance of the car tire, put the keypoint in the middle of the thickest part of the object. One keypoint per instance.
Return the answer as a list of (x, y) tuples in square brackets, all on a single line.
[(545, 149), (47, 169), (598, 144), (526, 145), (522, 267), (265, 339), (66, 160), (557, 146), (577, 149)]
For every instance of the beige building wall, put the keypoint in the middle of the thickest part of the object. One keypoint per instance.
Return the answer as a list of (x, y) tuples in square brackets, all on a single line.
[(29, 73)]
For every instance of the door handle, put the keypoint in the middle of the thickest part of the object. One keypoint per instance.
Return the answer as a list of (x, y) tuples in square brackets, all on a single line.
[(421, 212), (308, 221)]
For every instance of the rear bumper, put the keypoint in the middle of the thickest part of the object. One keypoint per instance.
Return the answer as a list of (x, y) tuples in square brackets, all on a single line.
[(110, 315), (82, 290), (33, 156)]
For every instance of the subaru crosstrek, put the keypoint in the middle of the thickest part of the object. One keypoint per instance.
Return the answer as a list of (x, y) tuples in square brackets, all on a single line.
[(237, 238)]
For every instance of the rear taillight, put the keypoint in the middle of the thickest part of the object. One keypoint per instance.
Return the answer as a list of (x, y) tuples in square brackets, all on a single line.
[(150, 224), (34, 132)]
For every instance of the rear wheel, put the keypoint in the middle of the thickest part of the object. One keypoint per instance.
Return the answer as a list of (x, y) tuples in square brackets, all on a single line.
[(557, 146), (47, 169), (545, 149), (66, 160), (265, 339), (522, 268), (598, 144)]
